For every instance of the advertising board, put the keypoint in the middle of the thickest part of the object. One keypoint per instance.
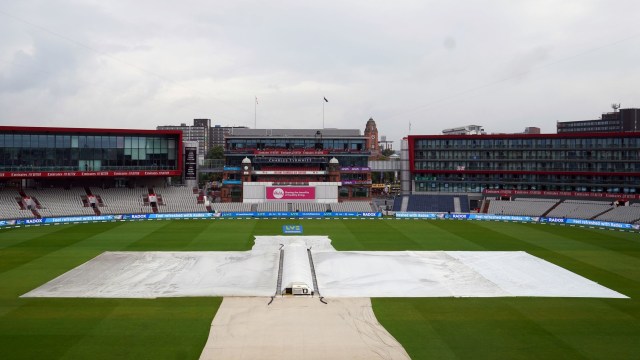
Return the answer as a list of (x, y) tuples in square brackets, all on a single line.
[(190, 163), (290, 193)]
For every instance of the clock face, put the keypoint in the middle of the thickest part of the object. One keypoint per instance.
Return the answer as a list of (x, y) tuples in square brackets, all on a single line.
[(373, 137), (246, 167)]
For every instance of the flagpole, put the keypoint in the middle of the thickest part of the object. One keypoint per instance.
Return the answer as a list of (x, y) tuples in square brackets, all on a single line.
[(325, 101), (255, 113)]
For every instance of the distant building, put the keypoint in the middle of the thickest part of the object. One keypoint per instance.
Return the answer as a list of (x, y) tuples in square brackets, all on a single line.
[(62, 157), (199, 132), (385, 144), (322, 165), (217, 134), (371, 134), (464, 130), (573, 163), (617, 121), (531, 130)]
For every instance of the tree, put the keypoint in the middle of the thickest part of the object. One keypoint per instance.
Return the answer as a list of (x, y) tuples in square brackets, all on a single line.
[(388, 152), (216, 152)]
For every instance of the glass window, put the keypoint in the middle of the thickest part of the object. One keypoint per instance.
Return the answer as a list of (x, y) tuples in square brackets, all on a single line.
[(59, 141), (17, 141), (142, 142), (74, 141)]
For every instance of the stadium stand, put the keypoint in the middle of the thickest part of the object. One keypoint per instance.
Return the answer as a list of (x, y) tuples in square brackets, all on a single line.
[(52, 202), (309, 207), (580, 209), (179, 199), (397, 203), (124, 201), (351, 206), (625, 214), (61, 202), (13, 208), (521, 207), (231, 207), (273, 206), (438, 203)]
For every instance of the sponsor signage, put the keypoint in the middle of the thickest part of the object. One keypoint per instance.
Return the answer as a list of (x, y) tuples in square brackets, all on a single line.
[(7, 222), (190, 162), (300, 214), (410, 215), (553, 220), (288, 160), (560, 193), (289, 172), (292, 229), (291, 193), (356, 182), (599, 223), (290, 152), (352, 168), (168, 216), (231, 182), (500, 217), (55, 220), (38, 174)]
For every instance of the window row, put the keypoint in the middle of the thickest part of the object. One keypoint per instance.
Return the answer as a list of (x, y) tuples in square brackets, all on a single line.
[(528, 166), (265, 144), (20, 159), (84, 141), (586, 155), (423, 144), (467, 187)]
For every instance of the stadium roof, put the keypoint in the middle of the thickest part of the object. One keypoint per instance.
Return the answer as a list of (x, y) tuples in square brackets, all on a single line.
[(239, 132)]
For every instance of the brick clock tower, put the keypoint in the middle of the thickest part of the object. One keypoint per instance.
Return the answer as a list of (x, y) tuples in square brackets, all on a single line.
[(247, 169), (371, 134)]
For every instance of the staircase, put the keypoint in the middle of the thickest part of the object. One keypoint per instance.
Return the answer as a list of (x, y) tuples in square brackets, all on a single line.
[(36, 214), (485, 206), (456, 205), (20, 203), (405, 203), (603, 212), (553, 207)]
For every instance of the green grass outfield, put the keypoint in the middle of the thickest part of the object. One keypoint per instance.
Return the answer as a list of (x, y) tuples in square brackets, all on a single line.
[(428, 328)]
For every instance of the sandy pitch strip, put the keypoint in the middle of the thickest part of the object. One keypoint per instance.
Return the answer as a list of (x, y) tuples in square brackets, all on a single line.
[(299, 327)]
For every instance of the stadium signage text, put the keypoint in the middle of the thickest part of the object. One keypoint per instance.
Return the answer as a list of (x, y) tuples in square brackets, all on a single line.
[(291, 193), (352, 168), (560, 193), (352, 182), (24, 174), (289, 172), (291, 152), (292, 229)]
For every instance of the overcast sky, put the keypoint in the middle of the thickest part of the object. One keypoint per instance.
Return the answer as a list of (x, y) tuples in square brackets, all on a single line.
[(504, 64)]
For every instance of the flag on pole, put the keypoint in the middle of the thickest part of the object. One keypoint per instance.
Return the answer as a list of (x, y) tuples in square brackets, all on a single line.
[(325, 100), (256, 100)]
